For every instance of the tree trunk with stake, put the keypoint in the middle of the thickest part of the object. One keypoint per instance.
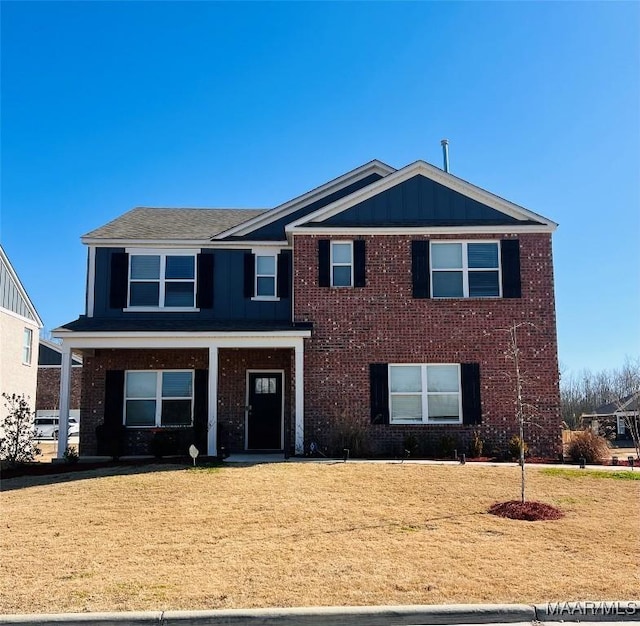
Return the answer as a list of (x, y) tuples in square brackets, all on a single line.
[(519, 405)]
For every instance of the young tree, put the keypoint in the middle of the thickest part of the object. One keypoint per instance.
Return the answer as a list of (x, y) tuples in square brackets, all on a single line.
[(17, 442), (524, 411)]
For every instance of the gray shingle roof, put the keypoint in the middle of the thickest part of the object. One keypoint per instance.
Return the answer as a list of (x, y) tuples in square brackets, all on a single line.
[(150, 223)]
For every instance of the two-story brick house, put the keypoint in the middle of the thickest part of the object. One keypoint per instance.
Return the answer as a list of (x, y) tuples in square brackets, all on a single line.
[(372, 307)]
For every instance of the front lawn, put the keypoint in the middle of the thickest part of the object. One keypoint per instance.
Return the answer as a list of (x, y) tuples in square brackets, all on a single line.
[(310, 534)]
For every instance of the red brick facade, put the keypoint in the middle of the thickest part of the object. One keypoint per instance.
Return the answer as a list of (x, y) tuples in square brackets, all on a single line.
[(232, 366), (48, 390), (379, 323), (383, 323)]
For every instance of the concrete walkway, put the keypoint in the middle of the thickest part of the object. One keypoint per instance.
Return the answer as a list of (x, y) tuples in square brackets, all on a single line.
[(463, 614)]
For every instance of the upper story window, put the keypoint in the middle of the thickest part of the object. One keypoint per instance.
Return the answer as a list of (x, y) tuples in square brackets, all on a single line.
[(425, 394), (158, 398), (162, 280), (465, 270), (27, 343), (265, 286), (341, 263)]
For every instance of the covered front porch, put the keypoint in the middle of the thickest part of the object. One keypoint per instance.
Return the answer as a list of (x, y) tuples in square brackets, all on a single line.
[(244, 391)]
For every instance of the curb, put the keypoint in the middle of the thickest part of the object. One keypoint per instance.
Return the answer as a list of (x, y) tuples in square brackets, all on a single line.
[(602, 611)]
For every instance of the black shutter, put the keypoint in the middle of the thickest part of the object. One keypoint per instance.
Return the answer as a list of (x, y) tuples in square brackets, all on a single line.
[(510, 256), (204, 294), (471, 405), (119, 280), (201, 410), (323, 263), (420, 268), (283, 274), (249, 274), (379, 381), (113, 397), (359, 263)]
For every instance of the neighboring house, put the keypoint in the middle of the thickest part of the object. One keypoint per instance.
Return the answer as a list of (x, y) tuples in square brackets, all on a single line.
[(612, 417), (48, 390), (19, 328), (372, 307)]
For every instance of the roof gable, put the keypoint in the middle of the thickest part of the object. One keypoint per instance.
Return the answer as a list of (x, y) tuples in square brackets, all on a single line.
[(421, 195), (628, 403), (13, 296), (271, 224)]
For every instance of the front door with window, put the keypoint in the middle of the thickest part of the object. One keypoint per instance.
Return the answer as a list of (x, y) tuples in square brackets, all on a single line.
[(264, 411)]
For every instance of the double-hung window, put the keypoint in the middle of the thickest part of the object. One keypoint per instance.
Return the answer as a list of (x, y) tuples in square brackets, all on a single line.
[(342, 264), (266, 265), (159, 398), (426, 393), (27, 342), (162, 281), (465, 269)]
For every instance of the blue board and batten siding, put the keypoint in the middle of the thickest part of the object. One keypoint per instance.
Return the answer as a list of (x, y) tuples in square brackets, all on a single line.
[(419, 201), (229, 300), (274, 231)]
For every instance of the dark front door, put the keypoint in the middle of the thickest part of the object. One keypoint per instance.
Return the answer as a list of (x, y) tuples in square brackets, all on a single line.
[(264, 419)]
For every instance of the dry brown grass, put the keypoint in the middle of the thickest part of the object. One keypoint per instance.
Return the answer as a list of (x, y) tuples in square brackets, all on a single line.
[(311, 534)]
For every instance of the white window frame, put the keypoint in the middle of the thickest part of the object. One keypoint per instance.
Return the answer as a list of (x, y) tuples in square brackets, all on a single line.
[(27, 346), (350, 265), (425, 394), (271, 253), (158, 399), (163, 254), (465, 269)]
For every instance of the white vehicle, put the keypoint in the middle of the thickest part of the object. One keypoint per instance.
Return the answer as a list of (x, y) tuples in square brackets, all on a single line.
[(47, 427)]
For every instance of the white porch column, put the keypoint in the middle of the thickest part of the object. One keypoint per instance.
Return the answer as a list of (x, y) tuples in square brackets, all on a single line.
[(65, 386), (299, 399), (212, 415)]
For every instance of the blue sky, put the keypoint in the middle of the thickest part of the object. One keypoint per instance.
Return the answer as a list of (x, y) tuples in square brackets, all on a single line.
[(106, 106)]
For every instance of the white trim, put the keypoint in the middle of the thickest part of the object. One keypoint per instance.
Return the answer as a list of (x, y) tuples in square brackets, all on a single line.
[(298, 411), (162, 254), (432, 173), (164, 309), (212, 402), (158, 398), (265, 253), (424, 395), (65, 402), (510, 229), (332, 264), (465, 269), (373, 167), (246, 405), (140, 339), (91, 281), (27, 347), (22, 291), (25, 320)]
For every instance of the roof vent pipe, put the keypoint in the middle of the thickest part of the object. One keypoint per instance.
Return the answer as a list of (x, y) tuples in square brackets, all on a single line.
[(445, 154)]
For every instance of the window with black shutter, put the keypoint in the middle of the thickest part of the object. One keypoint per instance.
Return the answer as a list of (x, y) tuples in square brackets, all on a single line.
[(510, 258)]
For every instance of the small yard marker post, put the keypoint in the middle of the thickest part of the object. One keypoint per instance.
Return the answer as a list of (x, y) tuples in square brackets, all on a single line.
[(345, 455), (630, 459), (193, 453), (583, 462)]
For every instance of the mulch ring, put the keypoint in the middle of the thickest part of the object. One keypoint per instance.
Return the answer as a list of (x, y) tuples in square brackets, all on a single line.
[(528, 511)]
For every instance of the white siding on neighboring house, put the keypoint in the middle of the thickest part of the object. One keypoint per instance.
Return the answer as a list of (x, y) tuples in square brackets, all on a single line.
[(19, 329)]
